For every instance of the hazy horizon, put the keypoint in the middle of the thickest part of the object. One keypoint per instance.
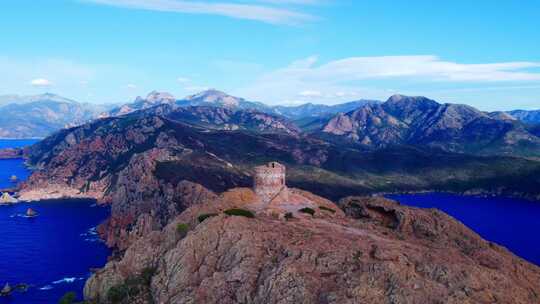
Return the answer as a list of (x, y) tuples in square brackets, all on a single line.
[(6, 99)]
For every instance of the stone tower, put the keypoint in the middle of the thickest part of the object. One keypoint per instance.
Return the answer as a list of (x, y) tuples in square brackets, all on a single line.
[(269, 182)]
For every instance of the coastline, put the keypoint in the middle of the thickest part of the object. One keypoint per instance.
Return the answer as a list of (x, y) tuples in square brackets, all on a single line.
[(61, 243), (55, 193), (469, 193)]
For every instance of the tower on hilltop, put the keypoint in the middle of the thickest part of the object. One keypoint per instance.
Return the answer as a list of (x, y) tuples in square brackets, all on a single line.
[(269, 182)]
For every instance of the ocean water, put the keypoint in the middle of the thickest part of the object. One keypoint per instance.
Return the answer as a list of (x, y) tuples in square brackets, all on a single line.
[(52, 252), (512, 223), (9, 167), (16, 143)]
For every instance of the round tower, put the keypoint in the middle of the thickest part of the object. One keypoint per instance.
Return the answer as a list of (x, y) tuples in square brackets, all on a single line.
[(269, 181)]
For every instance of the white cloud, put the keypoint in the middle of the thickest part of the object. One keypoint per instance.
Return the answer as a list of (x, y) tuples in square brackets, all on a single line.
[(257, 12), (41, 82), (131, 86), (183, 79), (347, 78), (358, 68), (196, 89), (310, 93)]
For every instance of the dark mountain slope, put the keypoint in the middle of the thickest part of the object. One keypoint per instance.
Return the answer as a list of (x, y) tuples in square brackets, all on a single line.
[(531, 117), (423, 122), (226, 119)]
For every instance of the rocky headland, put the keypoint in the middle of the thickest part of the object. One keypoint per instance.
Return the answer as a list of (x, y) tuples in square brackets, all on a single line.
[(362, 250)]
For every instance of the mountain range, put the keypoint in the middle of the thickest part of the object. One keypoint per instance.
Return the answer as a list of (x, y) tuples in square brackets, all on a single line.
[(401, 120), (420, 121), (41, 115)]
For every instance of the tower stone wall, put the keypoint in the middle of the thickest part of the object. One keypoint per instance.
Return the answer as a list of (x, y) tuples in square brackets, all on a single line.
[(269, 181)]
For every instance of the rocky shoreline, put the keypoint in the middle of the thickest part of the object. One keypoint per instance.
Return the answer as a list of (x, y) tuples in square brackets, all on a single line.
[(12, 153), (360, 250), (54, 192)]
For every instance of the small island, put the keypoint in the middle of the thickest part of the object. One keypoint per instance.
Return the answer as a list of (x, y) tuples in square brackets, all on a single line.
[(7, 199), (31, 213)]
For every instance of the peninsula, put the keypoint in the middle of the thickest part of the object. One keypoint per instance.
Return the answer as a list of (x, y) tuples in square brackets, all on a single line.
[(271, 242)]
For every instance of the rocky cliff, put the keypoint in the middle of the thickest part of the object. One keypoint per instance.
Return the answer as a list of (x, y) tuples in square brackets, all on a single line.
[(369, 251)]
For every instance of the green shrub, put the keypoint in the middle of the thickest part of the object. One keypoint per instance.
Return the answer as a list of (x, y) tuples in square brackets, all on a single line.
[(289, 216), (182, 229), (118, 293), (239, 212), (132, 287), (147, 274), (68, 298), (307, 210), (204, 216), (327, 209)]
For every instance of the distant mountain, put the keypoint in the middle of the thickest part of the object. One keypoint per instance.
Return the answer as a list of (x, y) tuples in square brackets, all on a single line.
[(153, 99), (40, 115), (424, 122), (531, 117), (215, 98), (306, 113), (310, 110), (18, 99), (224, 118)]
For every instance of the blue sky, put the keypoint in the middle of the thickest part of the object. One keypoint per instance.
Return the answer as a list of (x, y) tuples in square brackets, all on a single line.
[(482, 53)]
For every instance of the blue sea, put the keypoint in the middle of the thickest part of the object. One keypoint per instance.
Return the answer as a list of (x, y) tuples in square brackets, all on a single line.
[(9, 167), (512, 223), (52, 252)]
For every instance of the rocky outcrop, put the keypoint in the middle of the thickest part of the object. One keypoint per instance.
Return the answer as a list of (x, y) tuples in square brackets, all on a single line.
[(6, 199), (375, 252)]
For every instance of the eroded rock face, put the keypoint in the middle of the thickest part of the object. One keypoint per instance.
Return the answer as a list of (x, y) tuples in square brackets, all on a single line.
[(375, 252), (142, 203)]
